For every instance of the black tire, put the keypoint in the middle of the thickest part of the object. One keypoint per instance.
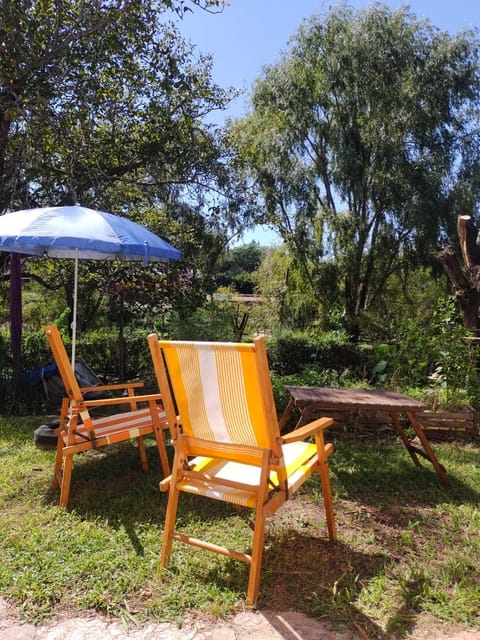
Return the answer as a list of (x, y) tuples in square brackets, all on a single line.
[(45, 437)]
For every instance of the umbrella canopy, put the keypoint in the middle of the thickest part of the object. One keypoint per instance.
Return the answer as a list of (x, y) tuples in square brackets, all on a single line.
[(70, 232), (81, 233)]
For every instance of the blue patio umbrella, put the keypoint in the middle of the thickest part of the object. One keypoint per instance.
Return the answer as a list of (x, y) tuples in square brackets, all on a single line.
[(78, 232)]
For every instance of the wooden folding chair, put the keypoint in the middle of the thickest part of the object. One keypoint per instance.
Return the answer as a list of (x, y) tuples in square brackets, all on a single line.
[(135, 416), (220, 409)]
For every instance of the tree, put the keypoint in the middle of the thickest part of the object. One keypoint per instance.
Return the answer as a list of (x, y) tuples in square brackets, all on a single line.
[(102, 102), (363, 143), (236, 268), (465, 280), (72, 70)]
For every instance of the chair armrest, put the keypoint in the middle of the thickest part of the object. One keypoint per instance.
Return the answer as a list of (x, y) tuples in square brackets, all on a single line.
[(307, 430), (105, 402), (165, 483), (113, 387)]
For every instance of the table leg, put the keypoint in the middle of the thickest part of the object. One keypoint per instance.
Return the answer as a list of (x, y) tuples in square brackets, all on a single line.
[(286, 414), (404, 437), (442, 474)]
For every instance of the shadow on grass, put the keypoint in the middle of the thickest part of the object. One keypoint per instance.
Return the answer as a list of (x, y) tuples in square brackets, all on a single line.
[(319, 578), (380, 495), (383, 473), (109, 484), (310, 575)]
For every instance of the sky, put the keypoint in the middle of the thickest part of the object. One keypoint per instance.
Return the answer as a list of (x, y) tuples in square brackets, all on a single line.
[(249, 34)]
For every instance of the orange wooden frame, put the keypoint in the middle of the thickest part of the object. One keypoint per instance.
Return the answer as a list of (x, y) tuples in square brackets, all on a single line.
[(256, 467), (78, 431)]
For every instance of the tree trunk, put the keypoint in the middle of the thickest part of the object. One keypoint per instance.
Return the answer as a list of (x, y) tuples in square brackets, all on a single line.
[(465, 281)]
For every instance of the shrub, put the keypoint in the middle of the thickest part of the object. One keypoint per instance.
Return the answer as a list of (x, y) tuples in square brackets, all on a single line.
[(290, 352), (434, 355), (22, 393), (213, 322)]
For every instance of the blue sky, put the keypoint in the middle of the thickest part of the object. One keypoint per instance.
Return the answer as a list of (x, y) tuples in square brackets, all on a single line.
[(251, 33)]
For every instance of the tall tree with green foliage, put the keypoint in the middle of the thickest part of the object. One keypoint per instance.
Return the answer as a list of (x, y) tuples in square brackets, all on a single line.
[(92, 91), (102, 103), (237, 267), (363, 143)]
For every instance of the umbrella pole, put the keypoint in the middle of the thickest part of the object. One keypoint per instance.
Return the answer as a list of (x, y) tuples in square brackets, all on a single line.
[(74, 319)]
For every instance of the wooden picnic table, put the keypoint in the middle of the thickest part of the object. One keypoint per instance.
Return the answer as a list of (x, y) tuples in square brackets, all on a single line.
[(312, 401)]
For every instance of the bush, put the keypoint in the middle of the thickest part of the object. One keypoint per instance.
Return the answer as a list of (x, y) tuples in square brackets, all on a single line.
[(433, 355), (110, 356), (290, 352), (24, 393), (213, 322)]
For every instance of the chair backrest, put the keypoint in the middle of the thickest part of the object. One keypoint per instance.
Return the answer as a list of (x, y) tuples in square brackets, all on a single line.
[(222, 390), (65, 368)]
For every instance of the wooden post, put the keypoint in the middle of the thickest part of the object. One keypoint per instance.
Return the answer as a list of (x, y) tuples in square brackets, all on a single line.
[(16, 318)]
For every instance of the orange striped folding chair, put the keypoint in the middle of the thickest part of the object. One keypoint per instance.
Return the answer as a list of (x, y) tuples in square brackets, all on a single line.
[(136, 416), (220, 409)]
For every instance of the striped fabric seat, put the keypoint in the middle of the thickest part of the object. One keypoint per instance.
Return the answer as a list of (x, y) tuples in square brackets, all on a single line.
[(300, 461), (117, 427), (221, 412), (130, 417), (219, 393)]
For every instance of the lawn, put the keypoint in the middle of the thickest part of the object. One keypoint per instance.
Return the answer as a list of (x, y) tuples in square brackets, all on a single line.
[(407, 552)]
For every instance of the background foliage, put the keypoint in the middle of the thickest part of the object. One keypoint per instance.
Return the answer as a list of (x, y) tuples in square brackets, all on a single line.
[(363, 145), (361, 185)]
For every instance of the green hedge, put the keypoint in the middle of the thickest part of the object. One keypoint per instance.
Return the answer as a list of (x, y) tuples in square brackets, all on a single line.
[(23, 393), (323, 359), (291, 352)]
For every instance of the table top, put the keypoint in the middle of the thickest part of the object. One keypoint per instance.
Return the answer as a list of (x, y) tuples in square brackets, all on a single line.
[(331, 398)]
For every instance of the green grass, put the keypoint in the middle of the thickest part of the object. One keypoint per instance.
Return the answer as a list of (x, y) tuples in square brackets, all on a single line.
[(408, 548)]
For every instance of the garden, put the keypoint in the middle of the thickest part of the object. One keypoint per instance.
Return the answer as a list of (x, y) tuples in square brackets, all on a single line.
[(405, 557), (406, 551), (360, 149)]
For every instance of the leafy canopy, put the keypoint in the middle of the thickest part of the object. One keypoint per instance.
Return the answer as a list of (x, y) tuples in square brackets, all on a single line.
[(364, 143), (102, 102)]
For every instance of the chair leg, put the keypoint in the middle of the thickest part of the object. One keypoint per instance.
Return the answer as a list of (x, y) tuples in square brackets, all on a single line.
[(162, 452), (170, 517), (143, 454), (327, 498), (160, 440), (323, 471), (258, 534), (58, 460), (172, 505), (66, 479), (257, 554)]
